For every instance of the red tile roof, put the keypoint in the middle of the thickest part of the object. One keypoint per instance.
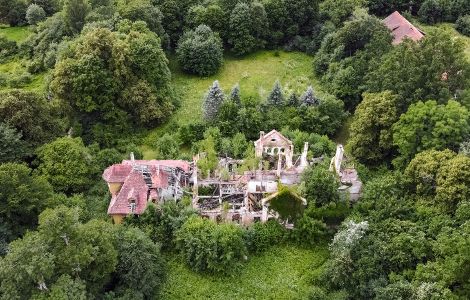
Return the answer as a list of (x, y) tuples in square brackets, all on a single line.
[(401, 28), (134, 188)]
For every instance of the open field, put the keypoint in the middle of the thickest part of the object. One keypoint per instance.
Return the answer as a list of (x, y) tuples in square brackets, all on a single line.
[(283, 272)]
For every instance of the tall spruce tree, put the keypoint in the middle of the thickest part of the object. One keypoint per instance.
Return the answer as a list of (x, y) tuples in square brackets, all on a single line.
[(235, 94), (308, 98), (276, 98), (212, 101)]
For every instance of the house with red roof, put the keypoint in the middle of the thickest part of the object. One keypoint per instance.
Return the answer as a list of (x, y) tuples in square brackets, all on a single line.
[(135, 183), (401, 28)]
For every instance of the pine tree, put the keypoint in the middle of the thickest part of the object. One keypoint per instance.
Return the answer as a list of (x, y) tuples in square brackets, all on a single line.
[(308, 98), (293, 100), (235, 94), (276, 97), (212, 102)]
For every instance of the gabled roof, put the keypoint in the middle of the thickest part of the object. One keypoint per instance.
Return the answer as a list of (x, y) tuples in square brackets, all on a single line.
[(134, 188), (273, 134), (401, 28)]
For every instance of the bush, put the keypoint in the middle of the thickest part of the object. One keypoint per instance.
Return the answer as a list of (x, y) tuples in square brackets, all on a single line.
[(7, 47), (20, 80), (260, 236), (200, 51), (333, 213), (308, 231), (208, 247), (463, 25), (168, 147), (35, 14)]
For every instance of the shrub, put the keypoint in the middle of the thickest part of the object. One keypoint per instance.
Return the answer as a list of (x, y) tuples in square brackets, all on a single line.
[(20, 80), (7, 47), (463, 25), (200, 51), (308, 231), (333, 213), (35, 14), (260, 236), (208, 247), (168, 147)]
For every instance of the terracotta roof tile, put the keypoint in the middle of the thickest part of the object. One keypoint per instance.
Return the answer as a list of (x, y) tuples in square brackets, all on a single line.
[(401, 28)]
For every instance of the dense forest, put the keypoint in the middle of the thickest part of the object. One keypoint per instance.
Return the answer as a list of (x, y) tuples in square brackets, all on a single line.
[(99, 79)]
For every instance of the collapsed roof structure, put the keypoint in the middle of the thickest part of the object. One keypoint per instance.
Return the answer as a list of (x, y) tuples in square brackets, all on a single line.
[(242, 197)]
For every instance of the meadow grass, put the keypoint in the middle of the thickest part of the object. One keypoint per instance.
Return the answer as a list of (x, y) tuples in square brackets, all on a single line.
[(256, 74), (283, 272), (17, 34)]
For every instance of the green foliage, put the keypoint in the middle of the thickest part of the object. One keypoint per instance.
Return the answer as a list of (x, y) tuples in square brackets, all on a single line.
[(212, 101), (281, 272), (430, 125), (287, 204), (7, 47), (35, 14), (276, 97), (75, 12), (12, 148), (168, 147), (22, 197), (346, 56), (371, 129), (309, 231), (13, 12), (126, 77), (140, 269), (408, 72), (143, 10), (31, 115), (423, 169), (62, 246), (200, 51), (434, 11), (247, 28), (209, 247), (463, 25), (338, 12), (320, 186), (66, 164), (259, 237), (161, 222)]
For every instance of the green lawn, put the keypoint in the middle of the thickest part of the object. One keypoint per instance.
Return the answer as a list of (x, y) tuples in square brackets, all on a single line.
[(17, 34), (256, 74), (284, 272)]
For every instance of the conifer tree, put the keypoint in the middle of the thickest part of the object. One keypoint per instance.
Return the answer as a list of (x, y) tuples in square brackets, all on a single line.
[(308, 98), (293, 100), (235, 94), (276, 98), (212, 102)]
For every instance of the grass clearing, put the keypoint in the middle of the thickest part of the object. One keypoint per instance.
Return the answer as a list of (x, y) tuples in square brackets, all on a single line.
[(283, 272), (256, 74), (17, 34)]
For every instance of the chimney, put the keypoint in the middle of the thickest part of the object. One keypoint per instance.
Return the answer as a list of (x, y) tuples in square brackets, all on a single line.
[(261, 134), (132, 158)]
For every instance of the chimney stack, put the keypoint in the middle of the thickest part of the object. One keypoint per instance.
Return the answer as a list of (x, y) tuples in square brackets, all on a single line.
[(132, 157)]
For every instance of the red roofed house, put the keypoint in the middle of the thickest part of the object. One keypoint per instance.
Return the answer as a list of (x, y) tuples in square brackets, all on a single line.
[(401, 28), (133, 183)]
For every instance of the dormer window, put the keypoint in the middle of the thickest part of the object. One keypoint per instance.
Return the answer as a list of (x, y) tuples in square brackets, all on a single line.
[(132, 205)]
